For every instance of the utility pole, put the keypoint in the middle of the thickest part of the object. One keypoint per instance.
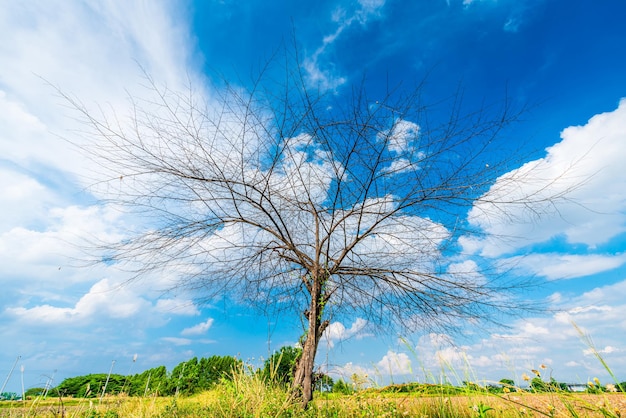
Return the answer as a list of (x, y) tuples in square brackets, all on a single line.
[(10, 373), (107, 382)]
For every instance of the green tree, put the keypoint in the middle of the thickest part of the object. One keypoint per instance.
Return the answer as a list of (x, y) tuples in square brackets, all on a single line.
[(184, 378), (90, 386), (8, 396), (281, 366), (558, 386), (215, 368), (538, 385), (342, 387), (153, 380), (510, 383), (34, 392)]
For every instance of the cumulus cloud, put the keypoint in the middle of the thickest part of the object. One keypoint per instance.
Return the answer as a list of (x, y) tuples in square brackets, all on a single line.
[(578, 190), (395, 364), (104, 299), (337, 332), (350, 370)]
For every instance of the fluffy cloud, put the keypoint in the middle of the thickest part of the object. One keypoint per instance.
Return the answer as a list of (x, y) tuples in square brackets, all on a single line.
[(578, 191), (90, 52), (395, 364), (104, 299), (337, 332)]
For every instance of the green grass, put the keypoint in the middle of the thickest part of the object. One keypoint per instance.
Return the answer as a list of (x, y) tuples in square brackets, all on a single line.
[(248, 395)]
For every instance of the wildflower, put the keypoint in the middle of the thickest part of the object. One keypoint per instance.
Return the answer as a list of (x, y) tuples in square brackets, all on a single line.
[(610, 388), (506, 390), (525, 377), (597, 381), (543, 366), (590, 384), (536, 372)]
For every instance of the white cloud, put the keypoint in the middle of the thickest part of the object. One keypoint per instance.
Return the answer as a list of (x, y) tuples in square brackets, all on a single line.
[(177, 341), (554, 341), (401, 141), (337, 332), (567, 266), (23, 199), (350, 370), (512, 25), (198, 329), (320, 73), (177, 307), (395, 364), (606, 350), (403, 136), (578, 190), (98, 66), (104, 299), (371, 7), (45, 254), (91, 51)]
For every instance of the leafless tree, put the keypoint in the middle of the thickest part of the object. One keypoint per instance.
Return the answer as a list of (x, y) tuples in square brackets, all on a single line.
[(289, 198)]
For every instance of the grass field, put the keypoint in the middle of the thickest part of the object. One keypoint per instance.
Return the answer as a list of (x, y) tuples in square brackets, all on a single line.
[(248, 396)]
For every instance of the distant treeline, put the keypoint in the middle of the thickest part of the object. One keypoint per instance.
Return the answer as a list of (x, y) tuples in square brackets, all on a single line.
[(186, 378)]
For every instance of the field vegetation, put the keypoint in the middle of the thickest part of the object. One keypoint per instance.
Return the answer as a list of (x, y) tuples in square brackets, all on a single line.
[(227, 387)]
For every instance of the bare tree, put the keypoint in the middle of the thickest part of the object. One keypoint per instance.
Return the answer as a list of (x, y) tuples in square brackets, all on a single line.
[(288, 198)]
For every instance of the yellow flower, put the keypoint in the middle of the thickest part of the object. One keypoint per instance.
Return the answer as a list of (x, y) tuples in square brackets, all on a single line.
[(506, 390), (590, 384), (525, 377), (597, 381), (536, 372)]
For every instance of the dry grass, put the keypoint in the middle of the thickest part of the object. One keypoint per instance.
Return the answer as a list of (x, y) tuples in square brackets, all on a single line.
[(254, 401)]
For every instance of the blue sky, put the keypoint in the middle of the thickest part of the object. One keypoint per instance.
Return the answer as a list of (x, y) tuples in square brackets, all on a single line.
[(565, 60)]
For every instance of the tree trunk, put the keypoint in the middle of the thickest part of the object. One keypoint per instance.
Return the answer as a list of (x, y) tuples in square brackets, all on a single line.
[(303, 379)]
